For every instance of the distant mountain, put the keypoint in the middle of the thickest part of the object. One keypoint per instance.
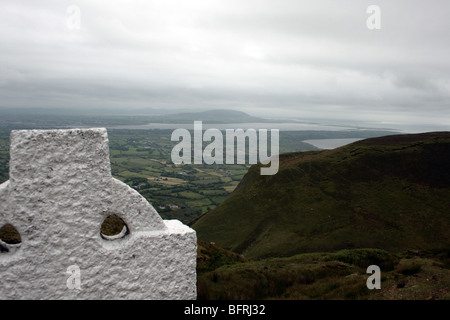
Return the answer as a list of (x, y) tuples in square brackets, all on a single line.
[(391, 193), (34, 118), (210, 116)]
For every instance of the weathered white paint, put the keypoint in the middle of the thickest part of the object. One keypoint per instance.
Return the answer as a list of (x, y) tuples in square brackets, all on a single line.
[(59, 192)]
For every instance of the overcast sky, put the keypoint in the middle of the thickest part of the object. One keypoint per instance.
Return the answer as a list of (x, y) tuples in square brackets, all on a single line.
[(302, 58)]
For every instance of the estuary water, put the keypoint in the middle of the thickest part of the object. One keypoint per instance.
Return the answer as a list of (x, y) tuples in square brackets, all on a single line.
[(282, 126), (331, 143)]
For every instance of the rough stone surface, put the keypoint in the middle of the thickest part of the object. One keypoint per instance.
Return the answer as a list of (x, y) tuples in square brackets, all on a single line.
[(60, 191)]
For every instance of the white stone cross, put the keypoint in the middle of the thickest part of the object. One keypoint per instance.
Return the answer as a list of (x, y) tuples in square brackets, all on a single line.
[(59, 192)]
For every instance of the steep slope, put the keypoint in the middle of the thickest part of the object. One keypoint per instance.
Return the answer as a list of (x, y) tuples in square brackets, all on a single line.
[(391, 193)]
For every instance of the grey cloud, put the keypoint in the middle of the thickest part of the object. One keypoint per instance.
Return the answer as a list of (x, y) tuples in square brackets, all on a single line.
[(300, 57)]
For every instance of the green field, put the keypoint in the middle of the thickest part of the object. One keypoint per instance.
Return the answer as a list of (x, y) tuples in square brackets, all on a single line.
[(142, 159)]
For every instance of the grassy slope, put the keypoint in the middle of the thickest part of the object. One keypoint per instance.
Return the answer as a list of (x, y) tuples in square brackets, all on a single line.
[(390, 193), (340, 275)]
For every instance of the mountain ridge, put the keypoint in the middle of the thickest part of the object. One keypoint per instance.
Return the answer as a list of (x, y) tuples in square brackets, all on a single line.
[(388, 193), (209, 116)]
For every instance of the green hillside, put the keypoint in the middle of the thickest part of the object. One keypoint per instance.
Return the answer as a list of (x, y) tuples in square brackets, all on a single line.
[(389, 193), (339, 275)]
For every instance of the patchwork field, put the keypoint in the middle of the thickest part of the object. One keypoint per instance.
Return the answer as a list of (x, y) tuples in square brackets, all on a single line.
[(142, 159)]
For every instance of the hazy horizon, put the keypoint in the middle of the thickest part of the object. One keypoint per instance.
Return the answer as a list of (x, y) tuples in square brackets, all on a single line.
[(296, 59)]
